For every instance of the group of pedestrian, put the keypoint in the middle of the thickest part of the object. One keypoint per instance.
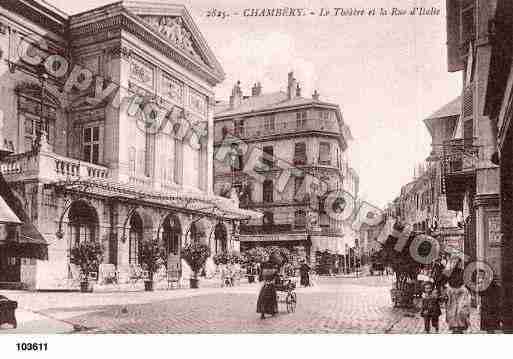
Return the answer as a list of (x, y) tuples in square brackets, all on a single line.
[(229, 274), (448, 287)]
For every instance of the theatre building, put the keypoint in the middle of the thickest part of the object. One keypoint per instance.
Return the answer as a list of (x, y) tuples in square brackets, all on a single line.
[(109, 115)]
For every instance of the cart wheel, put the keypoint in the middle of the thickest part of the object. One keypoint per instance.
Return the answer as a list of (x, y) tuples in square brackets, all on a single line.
[(291, 301)]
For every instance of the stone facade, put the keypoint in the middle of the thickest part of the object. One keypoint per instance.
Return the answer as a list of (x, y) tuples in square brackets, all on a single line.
[(122, 149), (272, 135)]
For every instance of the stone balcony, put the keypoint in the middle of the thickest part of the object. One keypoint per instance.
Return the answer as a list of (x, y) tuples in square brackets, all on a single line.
[(282, 128), (47, 166)]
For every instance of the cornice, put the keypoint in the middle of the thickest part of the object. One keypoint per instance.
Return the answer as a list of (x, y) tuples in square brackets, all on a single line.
[(125, 22), (34, 12)]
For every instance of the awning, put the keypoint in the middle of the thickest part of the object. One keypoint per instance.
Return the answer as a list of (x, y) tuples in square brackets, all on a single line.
[(179, 198), (28, 243), (6, 213)]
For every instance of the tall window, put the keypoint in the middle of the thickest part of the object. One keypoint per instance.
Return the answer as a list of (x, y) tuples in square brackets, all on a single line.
[(238, 127), (323, 216), (31, 128), (300, 219), (298, 183), (91, 144), (267, 191), (30, 108), (324, 153), (301, 119), (268, 156), (131, 160), (236, 158), (269, 122), (300, 153)]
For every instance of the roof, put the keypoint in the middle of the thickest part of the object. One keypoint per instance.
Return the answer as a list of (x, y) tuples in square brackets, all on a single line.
[(266, 102), (453, 108)]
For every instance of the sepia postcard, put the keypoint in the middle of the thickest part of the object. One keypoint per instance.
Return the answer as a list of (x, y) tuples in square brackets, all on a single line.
[(241, 167)]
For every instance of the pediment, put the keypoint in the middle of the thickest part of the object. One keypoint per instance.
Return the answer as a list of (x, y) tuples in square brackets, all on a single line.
[(175, 31), (175, 25)]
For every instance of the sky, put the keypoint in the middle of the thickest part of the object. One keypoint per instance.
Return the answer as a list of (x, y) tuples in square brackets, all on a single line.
[(387, 73)]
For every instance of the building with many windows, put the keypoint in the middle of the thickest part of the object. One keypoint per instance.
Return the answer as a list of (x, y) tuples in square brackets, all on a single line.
[(281, 146), (109, 118)]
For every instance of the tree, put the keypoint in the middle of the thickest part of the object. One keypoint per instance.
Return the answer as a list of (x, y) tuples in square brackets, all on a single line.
[(405, 267), (196, 254), (152, 256), (87, 256)]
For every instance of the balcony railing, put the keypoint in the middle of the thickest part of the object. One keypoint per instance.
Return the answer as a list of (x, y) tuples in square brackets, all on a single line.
[(459, 155), (265, 229), (49, 166), (284, 127)]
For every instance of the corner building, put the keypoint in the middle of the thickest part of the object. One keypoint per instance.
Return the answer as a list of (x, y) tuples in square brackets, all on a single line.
[(271, 133)]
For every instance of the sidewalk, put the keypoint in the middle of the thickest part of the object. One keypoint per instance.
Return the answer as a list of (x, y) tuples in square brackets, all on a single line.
[(35, 323), (48, 312)]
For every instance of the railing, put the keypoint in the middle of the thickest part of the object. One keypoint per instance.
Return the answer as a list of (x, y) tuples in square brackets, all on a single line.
[(282, 127), (50, 166), (140, 181), (459, 155), (265, 229)]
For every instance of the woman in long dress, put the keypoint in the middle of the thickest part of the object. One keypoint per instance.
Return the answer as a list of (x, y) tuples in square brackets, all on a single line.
[(458, 304), (268, 299), (304, 273)]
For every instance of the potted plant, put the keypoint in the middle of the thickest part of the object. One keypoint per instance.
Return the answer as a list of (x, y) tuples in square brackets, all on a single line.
[(195, 255), (220, 258), (87, 256), (250, 258), (152, 256), (405, 267)]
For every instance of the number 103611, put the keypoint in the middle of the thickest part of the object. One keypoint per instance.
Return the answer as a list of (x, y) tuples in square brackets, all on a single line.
[(34, 347)]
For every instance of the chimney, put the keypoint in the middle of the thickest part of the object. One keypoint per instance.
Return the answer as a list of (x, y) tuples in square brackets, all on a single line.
[(298, 90), (315, 95), (256, 90), (291, 86), (236, 97)]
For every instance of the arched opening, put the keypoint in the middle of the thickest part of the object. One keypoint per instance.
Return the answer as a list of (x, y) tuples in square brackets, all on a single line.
[(171, 233), (221, 240), (135, 238), (83, 223), (194, 233)]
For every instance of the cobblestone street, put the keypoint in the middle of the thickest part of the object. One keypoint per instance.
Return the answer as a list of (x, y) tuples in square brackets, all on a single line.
[(334, 305)]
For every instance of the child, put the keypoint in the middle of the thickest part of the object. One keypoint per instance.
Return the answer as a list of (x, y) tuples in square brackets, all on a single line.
[(430, 307)]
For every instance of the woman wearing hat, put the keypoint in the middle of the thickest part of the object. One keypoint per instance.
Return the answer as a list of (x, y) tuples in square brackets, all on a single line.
[(268, 299)]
